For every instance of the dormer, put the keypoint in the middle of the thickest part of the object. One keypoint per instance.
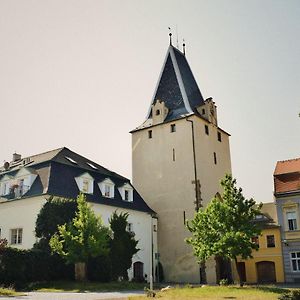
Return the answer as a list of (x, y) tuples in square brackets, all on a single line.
[(159, 112), (23, 181), (209, 111), (85, 183), (5, 184), (126, 192), (107, 188)]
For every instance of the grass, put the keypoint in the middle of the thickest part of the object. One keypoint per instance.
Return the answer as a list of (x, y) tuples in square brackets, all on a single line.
[(77, 287), (218, 292), (8, 292)]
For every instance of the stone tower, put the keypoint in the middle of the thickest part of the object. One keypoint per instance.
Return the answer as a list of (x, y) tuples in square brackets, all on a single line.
[(179, 156)]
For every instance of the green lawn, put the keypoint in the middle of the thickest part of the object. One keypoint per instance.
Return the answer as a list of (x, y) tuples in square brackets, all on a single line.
[(72, 286), (8, 292), (217, 292)]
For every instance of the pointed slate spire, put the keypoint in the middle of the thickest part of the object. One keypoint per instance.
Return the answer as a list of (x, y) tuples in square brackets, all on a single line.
[(177, 86)]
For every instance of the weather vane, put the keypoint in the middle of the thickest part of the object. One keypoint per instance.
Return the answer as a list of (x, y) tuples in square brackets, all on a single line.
[(170, 35)]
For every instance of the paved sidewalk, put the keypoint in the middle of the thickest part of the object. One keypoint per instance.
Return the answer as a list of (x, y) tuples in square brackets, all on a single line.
[(74, 296)]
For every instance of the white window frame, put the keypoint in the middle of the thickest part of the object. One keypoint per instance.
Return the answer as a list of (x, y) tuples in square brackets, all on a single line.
[(110, 185), (297, 260), (86, 177), (126, 188), (18, 237), (294, 220)]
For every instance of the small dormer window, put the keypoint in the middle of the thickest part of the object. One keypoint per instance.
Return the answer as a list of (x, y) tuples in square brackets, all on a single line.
[(203, 111), (85, 183), (107, 188), (126, 192), (157, 112)]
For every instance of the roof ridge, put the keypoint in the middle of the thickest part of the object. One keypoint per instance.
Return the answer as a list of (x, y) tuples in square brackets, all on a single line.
[(289, 160), (44, 152)]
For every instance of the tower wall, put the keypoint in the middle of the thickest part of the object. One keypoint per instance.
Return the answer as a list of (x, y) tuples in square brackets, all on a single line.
[(163, 172)]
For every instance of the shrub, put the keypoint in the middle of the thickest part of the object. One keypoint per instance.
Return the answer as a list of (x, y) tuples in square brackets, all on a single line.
[(19, 267), (99, 269), (290, 295)]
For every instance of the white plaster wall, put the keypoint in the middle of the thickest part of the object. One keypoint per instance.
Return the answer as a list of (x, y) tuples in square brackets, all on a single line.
[(143, 228), (20, 213)]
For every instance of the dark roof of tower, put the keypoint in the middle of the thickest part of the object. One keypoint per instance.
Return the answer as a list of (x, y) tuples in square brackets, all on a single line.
[(177, 86)]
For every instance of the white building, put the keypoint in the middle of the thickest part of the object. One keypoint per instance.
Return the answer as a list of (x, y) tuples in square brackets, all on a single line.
[(26, 183)]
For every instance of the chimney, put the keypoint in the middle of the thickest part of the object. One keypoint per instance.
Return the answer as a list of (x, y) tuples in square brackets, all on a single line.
[(16, 157)]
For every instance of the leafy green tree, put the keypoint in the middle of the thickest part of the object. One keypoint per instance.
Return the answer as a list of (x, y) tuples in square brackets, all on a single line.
[(225, 227), (122, 247), (56, 211), (84, 237)]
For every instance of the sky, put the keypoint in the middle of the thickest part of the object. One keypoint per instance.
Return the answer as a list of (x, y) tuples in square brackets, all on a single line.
[(82, 73)]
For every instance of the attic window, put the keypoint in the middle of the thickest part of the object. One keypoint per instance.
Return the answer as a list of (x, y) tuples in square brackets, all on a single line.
[(71, 160), (92, 166), (203, 111), (126, 192), (107, 188), (157, 112), (219, 137)]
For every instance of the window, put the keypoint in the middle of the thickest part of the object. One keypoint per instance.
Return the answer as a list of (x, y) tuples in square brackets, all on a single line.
[(292, 220), (270, 241), (16, 236), (129, 227), (71, 160), (150, 134), (255, 240), (219, 137), (173, 127), (206, 130), (295, 261), (157, 112), (215, 158), (126, 192), (92, 166), (85, 185), (107, 188), (174, 156), (203, 111), (126, 195), (154, 228)]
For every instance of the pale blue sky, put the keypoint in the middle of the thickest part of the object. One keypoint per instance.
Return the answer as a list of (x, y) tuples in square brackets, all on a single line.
[(81, 74)]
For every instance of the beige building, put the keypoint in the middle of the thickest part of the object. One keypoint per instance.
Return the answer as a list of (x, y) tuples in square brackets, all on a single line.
[(179, 155)]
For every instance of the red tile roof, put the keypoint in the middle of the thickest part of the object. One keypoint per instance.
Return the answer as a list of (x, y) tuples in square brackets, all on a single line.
[(287, 176), (287, 166)]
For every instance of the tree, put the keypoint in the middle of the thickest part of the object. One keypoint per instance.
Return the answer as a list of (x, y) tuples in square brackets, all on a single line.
[(55, 212), (122, 246), (84, 237), (225, 227)]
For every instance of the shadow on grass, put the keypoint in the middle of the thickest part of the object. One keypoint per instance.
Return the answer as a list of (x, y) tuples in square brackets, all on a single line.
[(82, 287)]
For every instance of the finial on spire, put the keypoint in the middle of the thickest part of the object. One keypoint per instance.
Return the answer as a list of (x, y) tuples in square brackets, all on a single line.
[(183, 45), (170, 35)]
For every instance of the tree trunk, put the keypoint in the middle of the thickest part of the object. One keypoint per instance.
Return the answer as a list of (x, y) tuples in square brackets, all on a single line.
[(80, 271), (238, 272)]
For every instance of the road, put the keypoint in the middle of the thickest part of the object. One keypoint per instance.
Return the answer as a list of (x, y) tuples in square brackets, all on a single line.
[(74, 296)]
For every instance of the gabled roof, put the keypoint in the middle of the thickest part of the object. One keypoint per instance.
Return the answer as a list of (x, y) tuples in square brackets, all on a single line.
[(177, 86)]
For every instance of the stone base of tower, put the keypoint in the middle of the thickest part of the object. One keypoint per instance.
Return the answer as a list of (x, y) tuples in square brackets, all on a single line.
[(186, 270)]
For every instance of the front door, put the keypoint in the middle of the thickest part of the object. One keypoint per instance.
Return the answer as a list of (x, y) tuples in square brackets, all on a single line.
[(138, 271), (266, 272)]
